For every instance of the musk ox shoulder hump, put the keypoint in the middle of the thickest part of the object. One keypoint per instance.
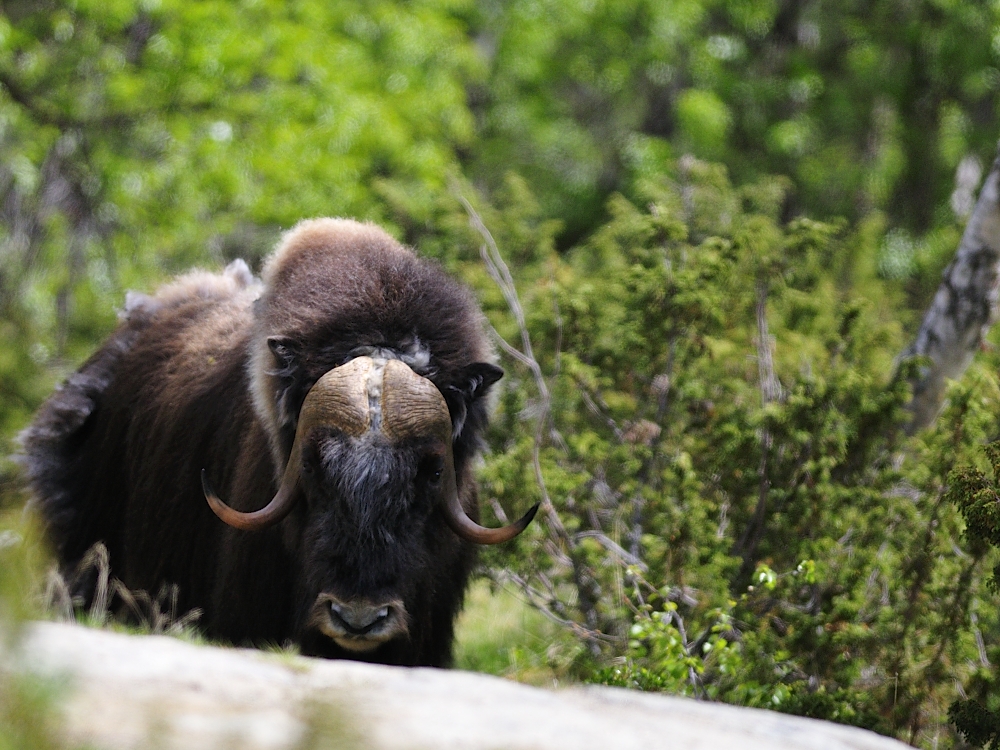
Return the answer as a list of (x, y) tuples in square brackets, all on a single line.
[(194, 285), (74, 401)]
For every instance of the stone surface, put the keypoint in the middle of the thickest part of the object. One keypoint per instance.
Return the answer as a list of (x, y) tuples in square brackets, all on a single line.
[(151, 691)]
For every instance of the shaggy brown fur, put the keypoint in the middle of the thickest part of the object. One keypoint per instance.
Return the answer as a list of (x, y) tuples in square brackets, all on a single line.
[(210, 372)]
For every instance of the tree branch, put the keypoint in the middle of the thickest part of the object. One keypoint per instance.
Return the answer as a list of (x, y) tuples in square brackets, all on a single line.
[(964, 308), (770, 391)]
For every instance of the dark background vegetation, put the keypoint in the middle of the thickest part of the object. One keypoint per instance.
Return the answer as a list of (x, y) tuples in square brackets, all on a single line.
[(703, 232)]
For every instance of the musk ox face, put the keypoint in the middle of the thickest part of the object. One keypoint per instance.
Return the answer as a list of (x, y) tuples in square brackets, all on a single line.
[(370, 543), (369, 503), (373, 461)]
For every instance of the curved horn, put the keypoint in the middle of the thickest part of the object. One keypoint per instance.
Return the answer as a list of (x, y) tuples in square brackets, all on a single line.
[(279, 507), (471, 531), (412, 405), (340, 399)]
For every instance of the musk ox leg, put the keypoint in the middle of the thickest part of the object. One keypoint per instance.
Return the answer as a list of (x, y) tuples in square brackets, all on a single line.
[(59, 460)]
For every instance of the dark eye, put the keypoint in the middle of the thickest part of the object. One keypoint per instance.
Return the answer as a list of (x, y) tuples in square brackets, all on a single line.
[(309, 459), (431, 468)]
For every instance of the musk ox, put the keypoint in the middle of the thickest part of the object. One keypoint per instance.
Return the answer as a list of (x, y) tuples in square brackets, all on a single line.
[(336, 406)]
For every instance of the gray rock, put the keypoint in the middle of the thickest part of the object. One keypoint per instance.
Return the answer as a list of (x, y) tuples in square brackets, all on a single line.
[(154, 691)]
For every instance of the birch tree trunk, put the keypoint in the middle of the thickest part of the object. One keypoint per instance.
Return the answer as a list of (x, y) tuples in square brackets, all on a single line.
[(964, 308)]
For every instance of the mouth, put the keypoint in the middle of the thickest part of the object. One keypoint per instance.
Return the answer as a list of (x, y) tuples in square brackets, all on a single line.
[(359, 625)]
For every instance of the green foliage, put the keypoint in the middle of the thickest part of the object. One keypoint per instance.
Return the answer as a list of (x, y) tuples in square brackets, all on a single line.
[(658, 656), (709, 411), (978, 499), (23, 557), (730, 518), (978, 724), (27, 703), (976, 494), (139, 138), (26, 714), (866, 107)]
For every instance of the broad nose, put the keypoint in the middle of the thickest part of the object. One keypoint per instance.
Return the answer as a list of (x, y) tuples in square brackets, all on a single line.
[(359, 624), (359, 618)]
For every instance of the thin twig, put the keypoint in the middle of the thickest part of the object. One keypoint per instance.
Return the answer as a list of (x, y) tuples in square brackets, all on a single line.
[(500, 273), (498, 511), (596, 409), (537, 600)]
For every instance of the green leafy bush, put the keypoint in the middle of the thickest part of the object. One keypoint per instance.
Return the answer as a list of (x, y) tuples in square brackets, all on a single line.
[(975, 492), (711, 416)]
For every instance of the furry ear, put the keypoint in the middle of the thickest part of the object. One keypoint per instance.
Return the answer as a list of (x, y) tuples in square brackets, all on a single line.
[(287, 395), (472, 384)]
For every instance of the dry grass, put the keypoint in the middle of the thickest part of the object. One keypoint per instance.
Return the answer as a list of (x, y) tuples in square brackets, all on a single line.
[(112, 602)]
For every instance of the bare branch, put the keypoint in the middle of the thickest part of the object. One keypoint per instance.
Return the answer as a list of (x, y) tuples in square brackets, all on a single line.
[(510, 350), (770, 387), (558, 556), (500, 273), (613, 547), (498, 510), (587, 592), (600, 413), (537, 599)]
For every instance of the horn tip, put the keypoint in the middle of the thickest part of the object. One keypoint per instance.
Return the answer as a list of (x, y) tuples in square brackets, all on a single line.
[(519, 525), (217, 506), (528, 517)]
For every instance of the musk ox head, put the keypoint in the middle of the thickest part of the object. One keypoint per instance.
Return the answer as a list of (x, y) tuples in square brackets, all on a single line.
[(369, 376)]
